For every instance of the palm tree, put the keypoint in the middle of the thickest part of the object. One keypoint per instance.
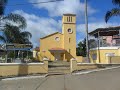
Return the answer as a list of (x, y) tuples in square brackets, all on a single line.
[(114, 11), (12, 25)]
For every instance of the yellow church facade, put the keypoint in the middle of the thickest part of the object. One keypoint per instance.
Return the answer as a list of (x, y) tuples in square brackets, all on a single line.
[(60, 46)]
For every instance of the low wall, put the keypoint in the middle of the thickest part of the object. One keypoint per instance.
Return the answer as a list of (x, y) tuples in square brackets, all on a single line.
[(74, 66), (79, 58), (114, 59), (15, 69)]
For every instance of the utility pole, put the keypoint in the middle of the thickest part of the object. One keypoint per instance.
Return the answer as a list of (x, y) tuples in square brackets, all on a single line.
[(86, 27)]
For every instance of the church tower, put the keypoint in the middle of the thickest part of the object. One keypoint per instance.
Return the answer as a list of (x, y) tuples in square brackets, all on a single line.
[(69, 35)]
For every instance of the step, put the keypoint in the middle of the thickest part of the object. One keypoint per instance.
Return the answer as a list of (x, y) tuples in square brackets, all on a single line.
[(59, 67), (55, 68), (55, 73), (59, 62), (59, 71)]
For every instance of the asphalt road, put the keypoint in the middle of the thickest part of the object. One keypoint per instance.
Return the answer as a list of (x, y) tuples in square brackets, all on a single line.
[(103, 80)]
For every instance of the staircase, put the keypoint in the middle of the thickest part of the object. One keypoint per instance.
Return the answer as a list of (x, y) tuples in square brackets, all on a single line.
[(59, 67)]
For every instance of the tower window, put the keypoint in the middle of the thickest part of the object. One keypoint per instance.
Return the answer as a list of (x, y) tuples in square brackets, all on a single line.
[(69, 40), (70, 30), (67, 19), (71, 19)]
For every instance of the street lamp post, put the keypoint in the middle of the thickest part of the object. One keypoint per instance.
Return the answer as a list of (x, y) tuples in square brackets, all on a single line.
[(86, 27)]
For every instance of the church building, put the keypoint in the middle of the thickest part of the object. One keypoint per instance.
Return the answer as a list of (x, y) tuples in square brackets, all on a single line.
[(60, 46)]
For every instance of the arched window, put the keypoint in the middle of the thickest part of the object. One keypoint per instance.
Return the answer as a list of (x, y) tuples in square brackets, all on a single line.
[(57, 39)]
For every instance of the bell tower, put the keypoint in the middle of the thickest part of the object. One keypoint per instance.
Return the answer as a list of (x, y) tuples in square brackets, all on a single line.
[(69, 35)]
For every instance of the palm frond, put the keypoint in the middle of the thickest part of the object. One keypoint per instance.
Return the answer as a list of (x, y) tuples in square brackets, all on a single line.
[(10, 32), (13, 34), (16, 18), (113, 12), (26, 34), (116, 2)]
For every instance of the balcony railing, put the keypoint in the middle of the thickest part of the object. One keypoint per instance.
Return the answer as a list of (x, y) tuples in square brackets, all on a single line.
[(104, 44)]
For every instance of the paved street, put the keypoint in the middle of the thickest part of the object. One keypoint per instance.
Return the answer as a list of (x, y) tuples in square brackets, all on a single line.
[(103, 80)]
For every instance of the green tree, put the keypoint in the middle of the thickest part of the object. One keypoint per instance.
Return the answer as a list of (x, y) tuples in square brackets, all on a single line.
[(114, 11), (81, 49)]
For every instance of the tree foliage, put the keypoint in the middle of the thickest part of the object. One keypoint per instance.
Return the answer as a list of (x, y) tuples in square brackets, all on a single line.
[(114, 11), (81, 49)]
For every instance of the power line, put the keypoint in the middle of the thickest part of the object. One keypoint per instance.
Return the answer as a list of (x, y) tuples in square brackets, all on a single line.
[(31, 3)]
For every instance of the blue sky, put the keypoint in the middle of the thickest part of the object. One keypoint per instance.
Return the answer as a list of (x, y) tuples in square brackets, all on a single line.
[(44, 19)]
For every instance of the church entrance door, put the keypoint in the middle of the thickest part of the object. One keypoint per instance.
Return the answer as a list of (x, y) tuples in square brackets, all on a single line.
[(57, 56)]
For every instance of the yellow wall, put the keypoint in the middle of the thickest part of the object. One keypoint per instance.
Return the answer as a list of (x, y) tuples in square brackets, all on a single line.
[(11, 69), (75, 66), (101, 55), (79, 58), (48, 43), (114, 60), (94, 52)]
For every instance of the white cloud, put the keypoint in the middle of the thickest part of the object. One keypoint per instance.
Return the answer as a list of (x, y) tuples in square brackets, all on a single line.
[(62, 7), (95, 25), (39, 26), (91, 26)]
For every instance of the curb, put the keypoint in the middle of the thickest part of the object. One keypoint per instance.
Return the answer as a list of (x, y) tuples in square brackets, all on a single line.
[(25, 77), (96, 70)]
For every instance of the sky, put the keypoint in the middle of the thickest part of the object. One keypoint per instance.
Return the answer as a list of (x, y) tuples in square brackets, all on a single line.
[(43, 19)]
